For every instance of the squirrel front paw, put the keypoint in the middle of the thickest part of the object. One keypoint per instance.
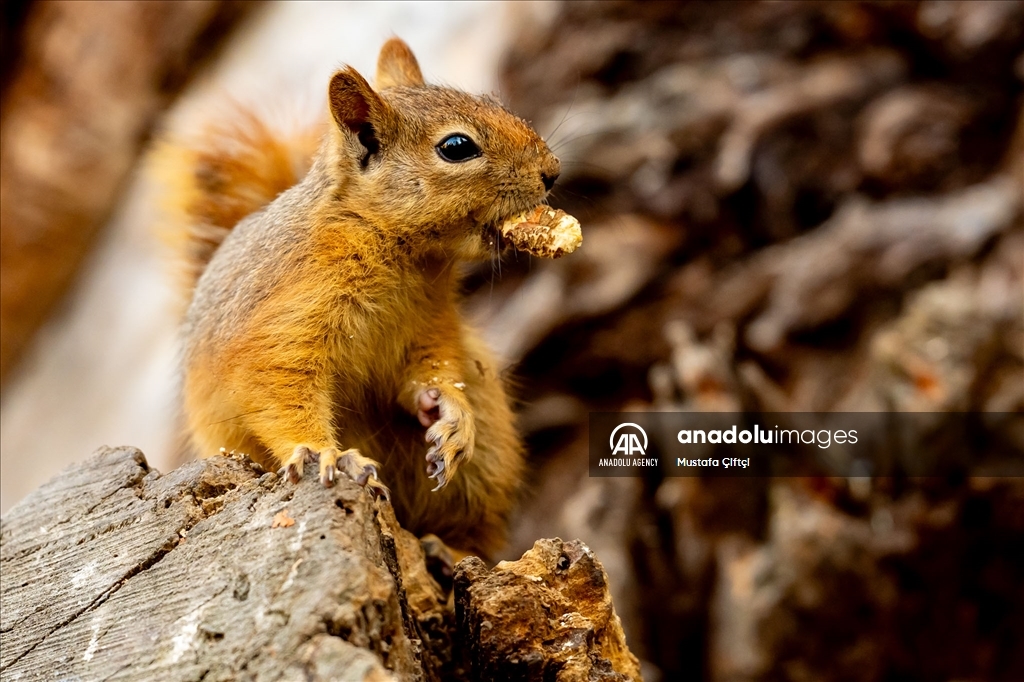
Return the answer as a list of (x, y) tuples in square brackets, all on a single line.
[(351, 462), (451, 431)]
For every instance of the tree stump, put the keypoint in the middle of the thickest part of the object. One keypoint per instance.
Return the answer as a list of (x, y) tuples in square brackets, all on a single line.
[(222, 571)]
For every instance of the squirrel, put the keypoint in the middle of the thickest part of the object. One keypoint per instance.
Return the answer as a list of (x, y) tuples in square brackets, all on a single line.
[(324, 320)]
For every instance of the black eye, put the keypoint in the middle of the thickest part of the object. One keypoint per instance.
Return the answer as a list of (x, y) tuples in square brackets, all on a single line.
[(456, 148)]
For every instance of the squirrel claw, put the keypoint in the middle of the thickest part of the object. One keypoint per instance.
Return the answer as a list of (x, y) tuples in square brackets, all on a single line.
[(378, 490), (327, 477), (292, 472), (364, 477), (301, 455), (363, 471), (436, 470)]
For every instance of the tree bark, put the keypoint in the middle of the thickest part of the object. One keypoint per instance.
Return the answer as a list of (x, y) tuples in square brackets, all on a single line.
[(221, 571)]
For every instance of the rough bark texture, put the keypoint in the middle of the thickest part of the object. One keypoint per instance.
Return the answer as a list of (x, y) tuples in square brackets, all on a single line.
[(786, 206), (87, 80), (547, 616), (221, 571)]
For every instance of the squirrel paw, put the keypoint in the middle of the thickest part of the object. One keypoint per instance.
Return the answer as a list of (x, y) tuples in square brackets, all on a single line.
[(452, 433), (302, 454), (362, 470), (441, 560)]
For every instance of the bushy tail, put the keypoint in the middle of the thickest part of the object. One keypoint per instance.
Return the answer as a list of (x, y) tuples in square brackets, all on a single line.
[(210, 181)]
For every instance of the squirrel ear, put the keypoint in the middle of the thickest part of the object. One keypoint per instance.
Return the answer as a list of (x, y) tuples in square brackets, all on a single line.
[(353, 102), (357, 108), (397, 66)]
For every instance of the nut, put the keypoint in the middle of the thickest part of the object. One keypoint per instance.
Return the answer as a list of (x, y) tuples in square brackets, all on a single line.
[(544, 231)]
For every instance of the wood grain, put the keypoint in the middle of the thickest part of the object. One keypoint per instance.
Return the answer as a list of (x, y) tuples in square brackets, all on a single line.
[(221, 571), (112, 571)]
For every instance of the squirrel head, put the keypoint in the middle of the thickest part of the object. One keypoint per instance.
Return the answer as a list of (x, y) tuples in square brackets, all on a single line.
[(437, 168)]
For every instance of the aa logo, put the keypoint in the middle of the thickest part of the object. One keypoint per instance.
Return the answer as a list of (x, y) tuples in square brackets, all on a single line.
[(628, 442)]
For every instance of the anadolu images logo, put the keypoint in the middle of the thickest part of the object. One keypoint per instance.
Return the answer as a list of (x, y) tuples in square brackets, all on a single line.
[(628, 442)]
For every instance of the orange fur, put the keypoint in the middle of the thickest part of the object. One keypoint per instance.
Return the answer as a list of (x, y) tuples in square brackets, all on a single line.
[(328, 315)]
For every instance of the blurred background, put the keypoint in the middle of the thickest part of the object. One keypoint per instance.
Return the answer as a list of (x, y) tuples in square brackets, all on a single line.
[(788, 207)]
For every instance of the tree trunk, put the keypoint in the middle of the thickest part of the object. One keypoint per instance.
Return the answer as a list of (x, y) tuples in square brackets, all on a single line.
[(85, 87)]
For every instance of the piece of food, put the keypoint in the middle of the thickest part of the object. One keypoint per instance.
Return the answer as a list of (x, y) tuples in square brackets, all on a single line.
[(546, 232), (282, 520)]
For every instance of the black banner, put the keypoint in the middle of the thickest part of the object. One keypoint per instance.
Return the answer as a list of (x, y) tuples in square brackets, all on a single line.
[(848, 444)]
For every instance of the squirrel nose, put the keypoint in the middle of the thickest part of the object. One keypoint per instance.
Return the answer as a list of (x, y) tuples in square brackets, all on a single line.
[(549, 180)]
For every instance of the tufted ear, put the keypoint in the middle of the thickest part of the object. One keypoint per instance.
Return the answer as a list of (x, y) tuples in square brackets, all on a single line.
[(357, 109), (397, 66)]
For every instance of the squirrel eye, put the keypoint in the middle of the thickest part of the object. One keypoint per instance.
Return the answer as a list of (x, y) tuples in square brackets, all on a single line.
[(456, 148)]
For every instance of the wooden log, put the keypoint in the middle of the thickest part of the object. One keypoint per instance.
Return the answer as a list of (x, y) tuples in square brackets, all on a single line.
[(222, 571), (112, 571), (547, 616)]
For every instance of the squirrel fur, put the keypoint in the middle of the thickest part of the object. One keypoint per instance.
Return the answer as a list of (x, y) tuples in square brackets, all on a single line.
[(324, 320)]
